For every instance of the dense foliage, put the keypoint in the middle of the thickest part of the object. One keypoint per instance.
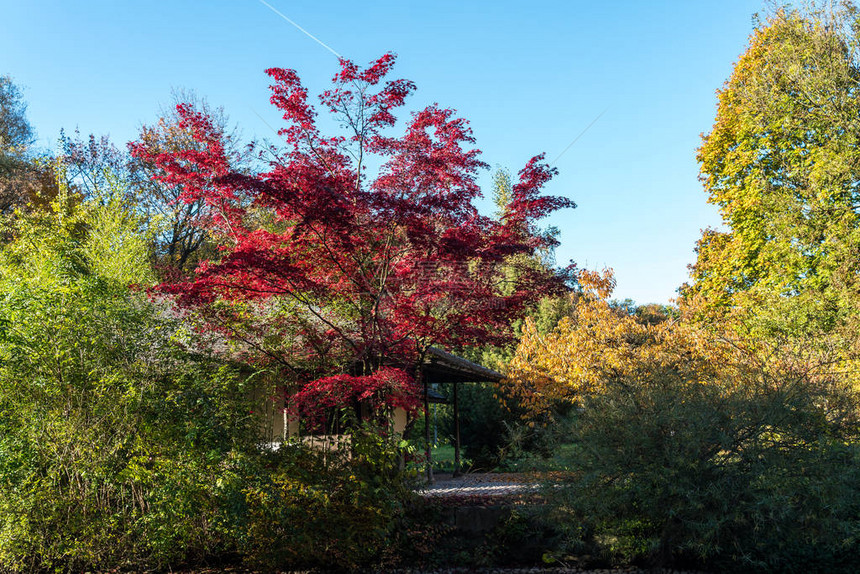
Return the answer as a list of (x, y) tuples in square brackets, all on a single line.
[(702, 446), (724, 434), (123, 444), (380, 393), (781, 165), (130, 433), (112, 439)]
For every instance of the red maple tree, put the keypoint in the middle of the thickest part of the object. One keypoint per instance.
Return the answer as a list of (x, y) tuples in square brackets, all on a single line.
[(328, 270)]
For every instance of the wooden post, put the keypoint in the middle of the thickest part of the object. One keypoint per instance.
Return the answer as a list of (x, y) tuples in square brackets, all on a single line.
[(427, 432), (456, 433)]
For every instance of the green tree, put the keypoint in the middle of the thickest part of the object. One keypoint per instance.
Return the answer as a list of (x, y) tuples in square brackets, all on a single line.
[(782, 163), (502, 188), (16, 134), (25, 180)]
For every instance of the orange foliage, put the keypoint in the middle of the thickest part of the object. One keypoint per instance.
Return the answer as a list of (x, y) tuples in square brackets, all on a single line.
[(598, 346)]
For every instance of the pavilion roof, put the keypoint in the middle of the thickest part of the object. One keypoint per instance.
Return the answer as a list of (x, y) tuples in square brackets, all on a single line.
[(443, 367)]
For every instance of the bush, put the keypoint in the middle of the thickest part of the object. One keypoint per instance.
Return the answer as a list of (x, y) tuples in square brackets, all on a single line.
[(756, 476), (731, 445), (430, 536), (120, 447), (332, 510)]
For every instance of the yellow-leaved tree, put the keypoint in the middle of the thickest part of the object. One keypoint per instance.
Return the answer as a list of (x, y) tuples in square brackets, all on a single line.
[(600, 344), (696, 442)]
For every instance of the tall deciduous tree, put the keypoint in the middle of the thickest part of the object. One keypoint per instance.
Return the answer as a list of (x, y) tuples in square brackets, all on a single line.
[(352, 271), (24, 180), (95, 168), (181, 240), (782, 164), (16, 134), (692, 437)]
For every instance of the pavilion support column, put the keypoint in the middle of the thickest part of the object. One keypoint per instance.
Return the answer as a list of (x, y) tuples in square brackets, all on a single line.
[(456, 433), (429, 468)]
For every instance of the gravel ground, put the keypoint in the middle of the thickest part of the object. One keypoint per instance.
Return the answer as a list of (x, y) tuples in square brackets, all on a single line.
[(479, 484)]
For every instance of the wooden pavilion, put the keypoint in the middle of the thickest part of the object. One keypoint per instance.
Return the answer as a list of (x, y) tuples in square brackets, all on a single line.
[(442, 367), (439, 367)]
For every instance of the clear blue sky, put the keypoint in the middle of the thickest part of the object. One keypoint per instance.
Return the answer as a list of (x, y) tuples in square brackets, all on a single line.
[(529, 76)]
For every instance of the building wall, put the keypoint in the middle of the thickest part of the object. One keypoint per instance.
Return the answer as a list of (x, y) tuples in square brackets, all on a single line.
[(271, 412)]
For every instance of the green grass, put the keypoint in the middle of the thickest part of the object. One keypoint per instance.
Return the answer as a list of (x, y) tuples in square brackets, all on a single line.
[(442, 456), (443, 460)]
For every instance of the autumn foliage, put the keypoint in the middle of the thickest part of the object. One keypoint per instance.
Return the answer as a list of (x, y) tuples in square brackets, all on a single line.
[(327, 269), (598, 345), (781, 165), (382, 391), (695, 443), (718, 435)]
